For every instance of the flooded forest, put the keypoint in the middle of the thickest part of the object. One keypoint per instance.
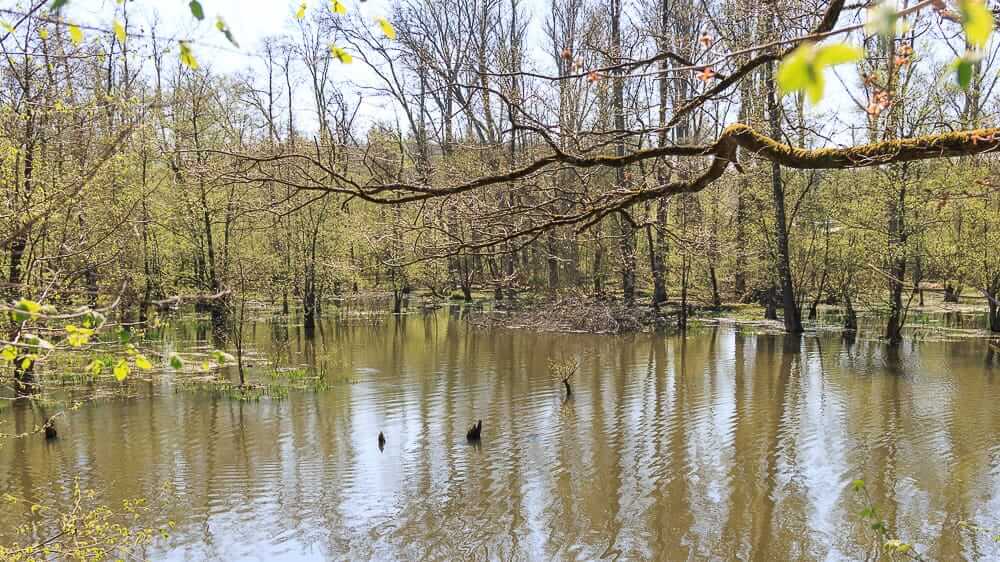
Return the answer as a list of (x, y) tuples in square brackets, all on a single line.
[(499, 280)]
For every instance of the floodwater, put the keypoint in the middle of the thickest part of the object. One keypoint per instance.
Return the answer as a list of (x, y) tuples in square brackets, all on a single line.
[(729, 444)]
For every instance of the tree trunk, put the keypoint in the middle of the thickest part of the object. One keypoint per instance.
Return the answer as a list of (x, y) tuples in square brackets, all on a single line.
[(466, 276), (792, 319), (309, 297), (24, 378), (658, 253), (397, 301), (739, 273), (993, 316), (897, 267), (551, 260), (625, 225), (216, 306), (770, 306), (950, 293), (682, 316), (19, 242), (309, 290), (598, 271), (658, 248), (850, 316), (714, 281), (627, 251)]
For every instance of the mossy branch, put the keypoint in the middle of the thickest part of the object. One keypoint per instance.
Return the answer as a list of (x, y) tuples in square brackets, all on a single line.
[(723, 152), (927, 147), (743, 137)]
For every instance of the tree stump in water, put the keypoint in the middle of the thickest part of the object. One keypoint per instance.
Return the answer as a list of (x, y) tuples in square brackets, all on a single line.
[(475, 432), (951, 294), (24, 378)]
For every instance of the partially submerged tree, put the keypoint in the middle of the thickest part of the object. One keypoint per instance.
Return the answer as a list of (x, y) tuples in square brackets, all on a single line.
[(684, 134)]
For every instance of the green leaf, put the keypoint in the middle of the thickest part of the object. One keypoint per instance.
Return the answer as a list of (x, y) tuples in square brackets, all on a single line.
[(8, 353), (121, 370), (176, 362), (897, 546), (882, 19), (300, 14), (119, 30), (143, 363), (343, 56), (977, 21), (220, 24), (814, 89), (35, 341), (387, 29), (837, 53), (91, 318), (75, 34), (78, 337), (963, 72), (794, 72), (858, 485), (6, 26), (95, 367), (57, 5), (338, 7), (196, 10), (25, 309), (221, 357), (802, 70), (43, 33), (187, 57)]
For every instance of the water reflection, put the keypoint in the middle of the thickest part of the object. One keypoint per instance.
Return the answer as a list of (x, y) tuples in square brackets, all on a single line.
[(726, 444)]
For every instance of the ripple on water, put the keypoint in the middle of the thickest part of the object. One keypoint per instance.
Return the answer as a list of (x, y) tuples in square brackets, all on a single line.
[(718, 445)]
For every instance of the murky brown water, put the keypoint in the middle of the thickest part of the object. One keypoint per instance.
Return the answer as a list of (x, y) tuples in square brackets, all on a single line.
[(723, 445)]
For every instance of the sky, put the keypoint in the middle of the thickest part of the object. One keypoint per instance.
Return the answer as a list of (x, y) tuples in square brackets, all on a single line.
[(250, 21), (253, 20)]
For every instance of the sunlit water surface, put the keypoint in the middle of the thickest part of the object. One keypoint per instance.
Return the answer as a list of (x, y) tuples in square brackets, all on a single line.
[(727, 444)]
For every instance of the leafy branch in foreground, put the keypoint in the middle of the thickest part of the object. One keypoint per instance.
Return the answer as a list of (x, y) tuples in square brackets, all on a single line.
[(891, 545), (80, 331), (802, 70), (85, 530), (894, 546)]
